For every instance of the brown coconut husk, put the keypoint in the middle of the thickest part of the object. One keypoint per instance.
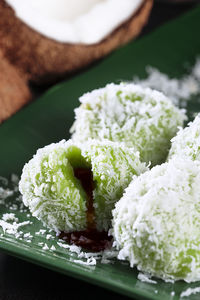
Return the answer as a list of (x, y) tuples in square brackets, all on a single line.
[(14, 92), (43, 60)]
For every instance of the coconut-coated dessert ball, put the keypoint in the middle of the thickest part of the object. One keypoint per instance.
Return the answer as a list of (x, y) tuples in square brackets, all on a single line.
[(71, 187), (139, 117), (156, 224), (187, 141)]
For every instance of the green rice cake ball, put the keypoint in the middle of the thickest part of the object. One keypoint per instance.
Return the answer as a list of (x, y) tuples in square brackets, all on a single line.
[(113, 166), (56, 196), (140, 117), (48, 186), (156, 224), (187, 141)]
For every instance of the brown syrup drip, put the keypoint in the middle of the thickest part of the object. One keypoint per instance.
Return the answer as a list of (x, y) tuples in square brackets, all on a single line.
[(90, 239), (86, 178)]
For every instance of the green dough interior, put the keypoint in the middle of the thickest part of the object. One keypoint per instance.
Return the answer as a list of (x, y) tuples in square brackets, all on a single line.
[(56, 196), (52, 192)]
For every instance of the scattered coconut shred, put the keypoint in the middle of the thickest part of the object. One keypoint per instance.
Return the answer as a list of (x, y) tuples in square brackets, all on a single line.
[(90, 258), (5, 192), (146, 278), (9, 222), (190, 291), (179, 91), (10, 225)]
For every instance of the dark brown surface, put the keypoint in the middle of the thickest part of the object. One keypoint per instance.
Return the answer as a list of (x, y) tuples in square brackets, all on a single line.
[(86, 179), (43, 60), (14, 92), (90, 239)]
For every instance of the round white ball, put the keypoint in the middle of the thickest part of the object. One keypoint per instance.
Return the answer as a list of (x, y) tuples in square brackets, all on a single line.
[(156, 224)]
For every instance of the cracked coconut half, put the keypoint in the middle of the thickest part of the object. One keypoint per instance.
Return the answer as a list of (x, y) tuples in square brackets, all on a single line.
[(46, 39)]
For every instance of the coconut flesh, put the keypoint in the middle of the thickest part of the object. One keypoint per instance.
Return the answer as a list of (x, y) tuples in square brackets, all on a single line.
[(74, 21)]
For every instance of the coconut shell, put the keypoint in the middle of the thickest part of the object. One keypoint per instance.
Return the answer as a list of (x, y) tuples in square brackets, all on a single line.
[(43, 60), (14, 92)]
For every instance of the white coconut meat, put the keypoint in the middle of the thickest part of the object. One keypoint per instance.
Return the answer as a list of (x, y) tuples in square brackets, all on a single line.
[(74, 21)]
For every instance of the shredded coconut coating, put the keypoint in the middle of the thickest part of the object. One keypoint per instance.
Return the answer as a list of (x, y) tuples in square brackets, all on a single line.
[(113, 166), (140, 117), (156, 223), (51, 191), (187, 141), (56, 197)]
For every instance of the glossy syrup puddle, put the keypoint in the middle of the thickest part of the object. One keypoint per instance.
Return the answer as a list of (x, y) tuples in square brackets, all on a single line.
[(89, 239)]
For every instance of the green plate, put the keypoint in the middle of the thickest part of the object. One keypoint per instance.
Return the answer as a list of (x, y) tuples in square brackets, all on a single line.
[(48, 120)]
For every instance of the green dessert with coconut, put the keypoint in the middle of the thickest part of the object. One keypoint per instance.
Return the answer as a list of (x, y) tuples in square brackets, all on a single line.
[(156, 222), (139, 117), (72, 187), (187, 141)]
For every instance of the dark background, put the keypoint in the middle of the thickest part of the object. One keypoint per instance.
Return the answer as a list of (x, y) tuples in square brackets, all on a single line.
[(20, 280)]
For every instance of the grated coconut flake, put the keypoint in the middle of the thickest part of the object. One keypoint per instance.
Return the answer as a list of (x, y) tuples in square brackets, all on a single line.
[(146, 278), (190, 291), (179, 90)]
